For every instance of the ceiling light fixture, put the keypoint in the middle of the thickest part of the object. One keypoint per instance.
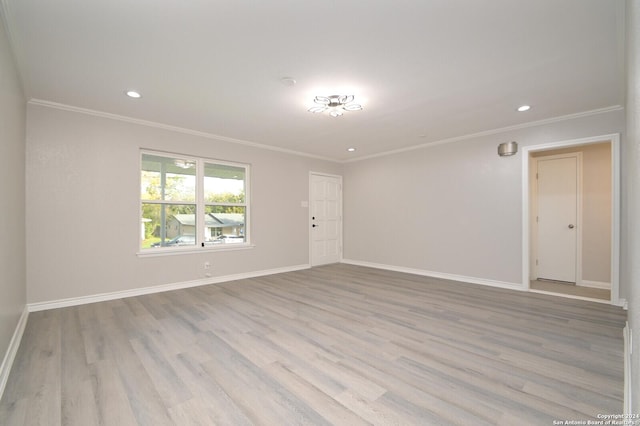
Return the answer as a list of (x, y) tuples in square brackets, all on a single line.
[(184, 164), (524, 108), (351, 149), (133, 94), (335, 104)]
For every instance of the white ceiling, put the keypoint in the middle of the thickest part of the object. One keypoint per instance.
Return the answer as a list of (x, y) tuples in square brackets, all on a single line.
[(424, 70)]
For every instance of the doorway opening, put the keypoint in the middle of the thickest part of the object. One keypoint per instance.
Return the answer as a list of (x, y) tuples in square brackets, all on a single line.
[(571, 218)]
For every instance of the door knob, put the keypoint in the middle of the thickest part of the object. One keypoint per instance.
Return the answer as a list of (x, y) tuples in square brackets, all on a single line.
[(571, 226)]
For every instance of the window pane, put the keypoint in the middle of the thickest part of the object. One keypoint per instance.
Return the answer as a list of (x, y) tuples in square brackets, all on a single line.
[(173, 212), (150, 188), (224, 184), (224, 224), (168, 225), (169, 179)]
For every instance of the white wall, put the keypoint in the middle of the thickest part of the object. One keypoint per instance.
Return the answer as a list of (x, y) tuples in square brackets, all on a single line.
[(454, 208), (631, 203), (596, 220), (12, 224), (83, 206)]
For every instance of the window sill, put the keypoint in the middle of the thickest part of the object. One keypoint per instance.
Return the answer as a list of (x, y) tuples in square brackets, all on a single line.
[(194, 250)]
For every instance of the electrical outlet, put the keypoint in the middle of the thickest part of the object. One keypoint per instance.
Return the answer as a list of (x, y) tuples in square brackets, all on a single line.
[(207, 265)]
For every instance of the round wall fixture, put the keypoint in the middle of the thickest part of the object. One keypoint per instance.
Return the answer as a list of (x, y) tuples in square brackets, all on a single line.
[(507, 149)]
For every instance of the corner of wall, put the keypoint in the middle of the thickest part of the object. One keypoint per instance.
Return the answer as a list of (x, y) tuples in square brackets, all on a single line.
[(12, 350)]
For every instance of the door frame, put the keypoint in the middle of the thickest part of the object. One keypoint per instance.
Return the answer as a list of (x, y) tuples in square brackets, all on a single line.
[(534, 208), (339, 177), (614, 140)]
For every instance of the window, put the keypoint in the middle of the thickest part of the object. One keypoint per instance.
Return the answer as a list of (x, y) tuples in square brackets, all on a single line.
[(192, 202)]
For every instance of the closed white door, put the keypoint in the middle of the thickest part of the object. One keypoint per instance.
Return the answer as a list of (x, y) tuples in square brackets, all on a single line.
[(326, 219), (557, 218)]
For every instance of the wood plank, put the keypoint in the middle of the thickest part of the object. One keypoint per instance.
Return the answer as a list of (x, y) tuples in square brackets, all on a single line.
[(78, 401), (337, 344)]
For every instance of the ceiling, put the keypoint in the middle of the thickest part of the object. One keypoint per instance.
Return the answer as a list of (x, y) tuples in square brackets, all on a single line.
[(424, 70)]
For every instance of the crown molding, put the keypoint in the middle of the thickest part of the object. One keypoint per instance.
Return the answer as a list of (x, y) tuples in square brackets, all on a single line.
[(102, 114), (491, 132), (191, 132)]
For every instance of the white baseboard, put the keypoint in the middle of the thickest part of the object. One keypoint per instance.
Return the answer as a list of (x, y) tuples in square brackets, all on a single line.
[(627, 369), (621, 302), (12, 350), (445, 276), (595, 284), (82, 300)]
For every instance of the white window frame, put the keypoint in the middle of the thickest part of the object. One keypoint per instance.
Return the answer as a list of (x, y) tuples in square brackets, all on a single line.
[(200, 204)]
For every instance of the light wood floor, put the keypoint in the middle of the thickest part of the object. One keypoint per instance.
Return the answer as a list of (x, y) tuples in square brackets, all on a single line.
[(339, 344)]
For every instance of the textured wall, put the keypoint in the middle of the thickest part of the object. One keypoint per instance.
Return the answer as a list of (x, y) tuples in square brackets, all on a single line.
[(454, 208), (631, 265), (83, 206), (12, 182)]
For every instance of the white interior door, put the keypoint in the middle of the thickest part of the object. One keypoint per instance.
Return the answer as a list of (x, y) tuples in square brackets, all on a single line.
[(557, 218), (326, 219)]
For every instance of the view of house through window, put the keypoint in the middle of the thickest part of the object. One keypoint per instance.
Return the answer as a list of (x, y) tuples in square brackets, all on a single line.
[(191, 202)]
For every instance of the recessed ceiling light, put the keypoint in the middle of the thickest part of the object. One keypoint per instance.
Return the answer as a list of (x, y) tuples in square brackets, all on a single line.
[(523, 108), (133, 94), (288, 81), (351, 149)]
